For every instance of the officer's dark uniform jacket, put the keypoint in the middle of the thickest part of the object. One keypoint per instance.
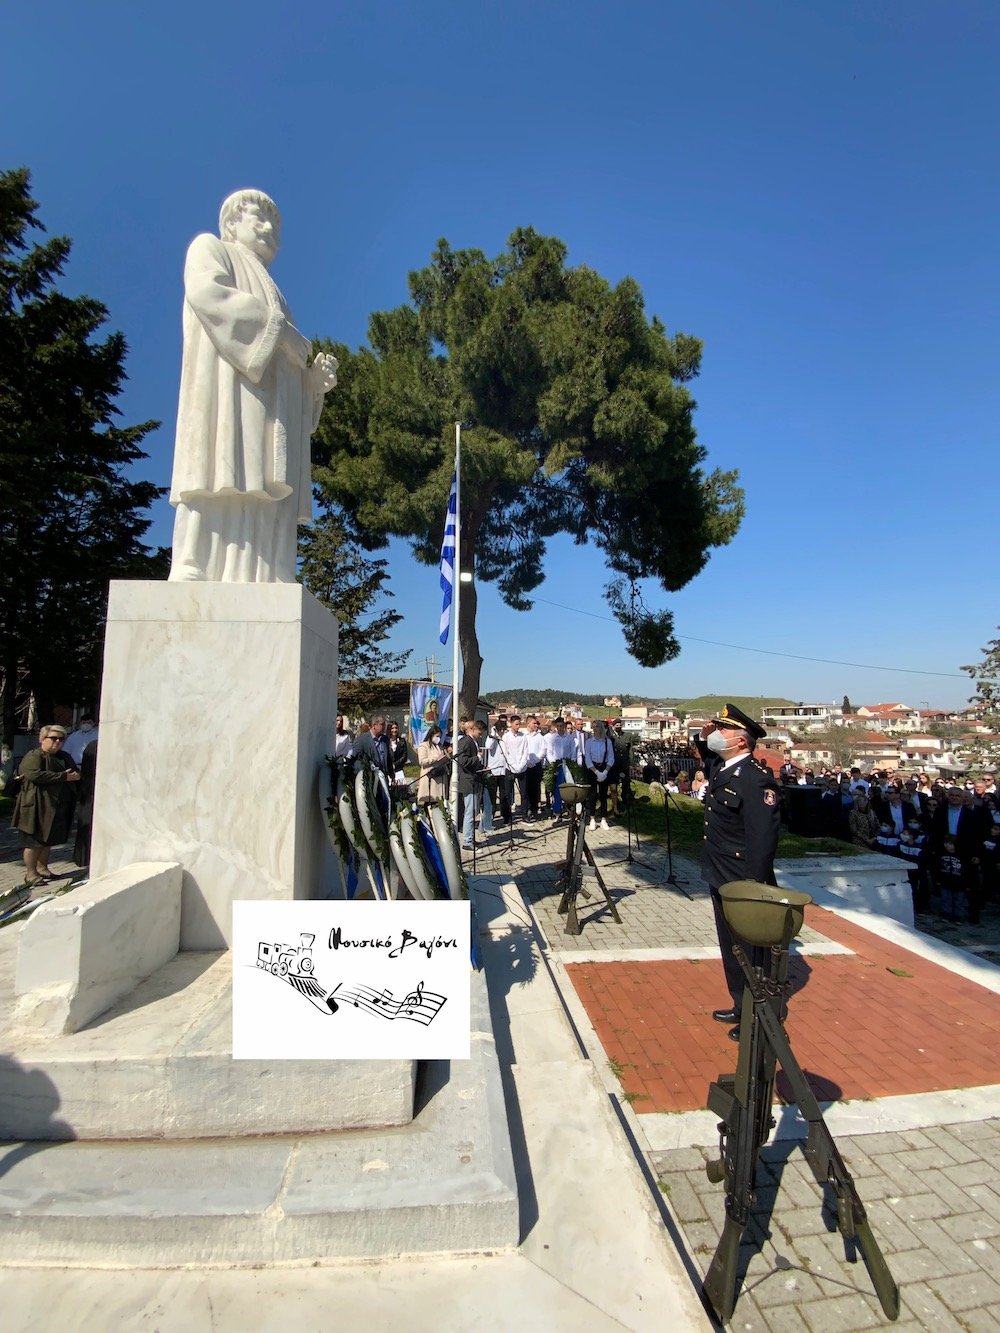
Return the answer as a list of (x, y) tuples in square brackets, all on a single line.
[(742, 816)]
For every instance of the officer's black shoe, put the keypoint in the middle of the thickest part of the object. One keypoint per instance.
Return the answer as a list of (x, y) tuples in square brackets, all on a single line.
[(734, 1033), (726, 1015)]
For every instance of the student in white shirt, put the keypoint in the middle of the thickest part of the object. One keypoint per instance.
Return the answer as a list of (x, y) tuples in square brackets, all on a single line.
[(497, 778), (599, 760), (343, 741), (559, 746), (516, 746), (536, 761)]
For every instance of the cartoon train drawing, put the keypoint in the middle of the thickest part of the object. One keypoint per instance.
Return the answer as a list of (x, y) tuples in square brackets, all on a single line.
[(294, 963), (282, 959)]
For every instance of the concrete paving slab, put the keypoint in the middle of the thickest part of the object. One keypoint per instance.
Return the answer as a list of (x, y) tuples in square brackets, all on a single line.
[(502, 1292)]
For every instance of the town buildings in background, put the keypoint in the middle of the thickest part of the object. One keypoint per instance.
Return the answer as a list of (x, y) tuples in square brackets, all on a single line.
[(938, 741)]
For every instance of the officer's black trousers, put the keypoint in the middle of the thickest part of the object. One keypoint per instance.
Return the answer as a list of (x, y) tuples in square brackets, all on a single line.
[(735, 981)]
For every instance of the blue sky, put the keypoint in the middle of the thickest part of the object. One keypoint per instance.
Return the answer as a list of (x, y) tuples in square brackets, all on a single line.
[(810, 189)]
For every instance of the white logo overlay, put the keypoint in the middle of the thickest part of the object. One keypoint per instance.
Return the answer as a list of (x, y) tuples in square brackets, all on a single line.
[(348, 980)]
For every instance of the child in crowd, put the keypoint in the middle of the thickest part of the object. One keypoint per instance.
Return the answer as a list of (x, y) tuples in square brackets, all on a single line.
[(913, 849), (947, 873), (886, 840)]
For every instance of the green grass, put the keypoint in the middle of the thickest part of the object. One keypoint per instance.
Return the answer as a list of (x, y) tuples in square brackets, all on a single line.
[(687, 821)]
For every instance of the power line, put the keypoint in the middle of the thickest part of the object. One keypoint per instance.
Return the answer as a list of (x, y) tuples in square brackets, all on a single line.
[(771, 652)]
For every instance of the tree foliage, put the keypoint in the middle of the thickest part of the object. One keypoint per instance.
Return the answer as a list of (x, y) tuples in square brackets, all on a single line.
[(70, 518), (576, 420), (985, 676), (336, 570), (840, 741)]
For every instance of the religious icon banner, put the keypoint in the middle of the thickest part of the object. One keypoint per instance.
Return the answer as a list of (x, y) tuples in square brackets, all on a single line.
[(430, 704)]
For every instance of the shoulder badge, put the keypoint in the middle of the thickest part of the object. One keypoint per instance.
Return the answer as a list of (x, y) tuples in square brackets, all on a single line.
[(770, 796)]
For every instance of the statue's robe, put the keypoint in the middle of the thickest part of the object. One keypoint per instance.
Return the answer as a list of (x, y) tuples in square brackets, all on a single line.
[(241, 479)]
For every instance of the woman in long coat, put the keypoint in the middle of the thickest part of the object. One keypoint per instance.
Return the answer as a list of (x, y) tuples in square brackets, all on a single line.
[(433, 759), (43, 810)]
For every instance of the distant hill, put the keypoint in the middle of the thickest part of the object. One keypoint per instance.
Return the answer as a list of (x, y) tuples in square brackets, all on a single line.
[(708, 704)]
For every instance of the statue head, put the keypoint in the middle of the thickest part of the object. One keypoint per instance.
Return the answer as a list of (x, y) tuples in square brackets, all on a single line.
[(252, 218)]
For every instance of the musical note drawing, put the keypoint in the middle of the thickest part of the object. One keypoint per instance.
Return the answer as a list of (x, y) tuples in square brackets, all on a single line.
[(294, 965), (419, 1006)]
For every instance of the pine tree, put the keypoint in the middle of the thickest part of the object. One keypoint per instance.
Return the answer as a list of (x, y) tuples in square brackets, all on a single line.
[(577, 420), (338, 573), (70, 517)]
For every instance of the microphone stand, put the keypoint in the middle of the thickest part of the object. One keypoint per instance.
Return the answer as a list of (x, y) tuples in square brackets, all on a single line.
[(672, 879), (630, 822)]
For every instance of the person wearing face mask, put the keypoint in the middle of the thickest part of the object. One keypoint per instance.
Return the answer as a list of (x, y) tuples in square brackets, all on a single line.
[(913, 849), (742, 817), (77, 741)]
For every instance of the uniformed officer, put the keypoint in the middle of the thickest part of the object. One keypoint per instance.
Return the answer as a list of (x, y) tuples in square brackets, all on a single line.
[(741, 827)]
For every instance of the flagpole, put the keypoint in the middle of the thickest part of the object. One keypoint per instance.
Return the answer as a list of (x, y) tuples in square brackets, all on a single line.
[(456, 606)]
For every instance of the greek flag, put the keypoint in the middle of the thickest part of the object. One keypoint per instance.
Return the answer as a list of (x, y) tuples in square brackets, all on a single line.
[(448, 559)]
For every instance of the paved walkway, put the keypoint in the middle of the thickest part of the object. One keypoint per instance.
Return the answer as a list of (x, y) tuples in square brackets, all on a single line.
[(899, 1034)]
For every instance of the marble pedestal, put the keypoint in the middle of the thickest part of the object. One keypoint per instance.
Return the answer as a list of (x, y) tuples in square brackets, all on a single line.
[(217, 708)]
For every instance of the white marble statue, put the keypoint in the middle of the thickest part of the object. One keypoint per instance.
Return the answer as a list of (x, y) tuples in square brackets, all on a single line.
[(249, 402)]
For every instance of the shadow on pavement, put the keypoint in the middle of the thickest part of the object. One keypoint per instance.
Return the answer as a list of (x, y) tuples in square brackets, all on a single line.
[(34, 1091)]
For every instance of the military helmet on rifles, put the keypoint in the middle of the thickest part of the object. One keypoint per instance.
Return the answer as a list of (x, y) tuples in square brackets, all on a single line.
[(763, 913)]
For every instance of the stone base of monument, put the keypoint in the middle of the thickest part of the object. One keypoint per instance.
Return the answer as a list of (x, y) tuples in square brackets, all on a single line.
[(185, 1156), (158, 1065), (217, 708), (867, 883)]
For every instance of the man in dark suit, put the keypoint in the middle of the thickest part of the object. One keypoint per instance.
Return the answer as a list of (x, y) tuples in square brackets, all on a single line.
[(891, 808), (373, 746), (966, 825), (470, 778), (741, 827)]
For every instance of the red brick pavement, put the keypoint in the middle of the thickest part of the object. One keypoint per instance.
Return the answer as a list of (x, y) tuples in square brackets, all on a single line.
[(879, 1022)]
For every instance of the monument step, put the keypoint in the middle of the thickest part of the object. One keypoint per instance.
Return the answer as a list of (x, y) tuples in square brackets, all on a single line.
[(445, 1182), (158, 1065)]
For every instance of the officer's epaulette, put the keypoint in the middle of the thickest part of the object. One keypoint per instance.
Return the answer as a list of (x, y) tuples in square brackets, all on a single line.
[(759, 763)]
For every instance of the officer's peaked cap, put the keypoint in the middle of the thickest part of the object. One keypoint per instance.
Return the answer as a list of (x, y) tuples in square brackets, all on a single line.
[(731, 716)]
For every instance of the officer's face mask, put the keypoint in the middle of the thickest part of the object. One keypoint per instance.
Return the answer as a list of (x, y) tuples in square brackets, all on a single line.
[(718, 741)]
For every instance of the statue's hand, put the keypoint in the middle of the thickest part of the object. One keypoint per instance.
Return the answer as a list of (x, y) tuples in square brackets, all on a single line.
[(324, 371)]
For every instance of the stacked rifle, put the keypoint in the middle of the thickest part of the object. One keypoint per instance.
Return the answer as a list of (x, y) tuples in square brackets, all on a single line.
[(768, 918)]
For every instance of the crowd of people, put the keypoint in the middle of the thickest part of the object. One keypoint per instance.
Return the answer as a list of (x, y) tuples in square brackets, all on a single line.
[(513, 770), (949, 834)]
